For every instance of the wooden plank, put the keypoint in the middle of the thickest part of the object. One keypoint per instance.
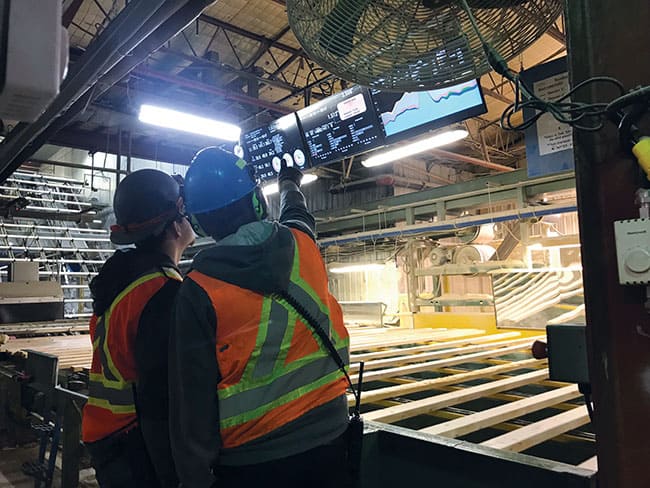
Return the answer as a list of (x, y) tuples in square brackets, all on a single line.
[(440, 363), (591, 463), (426, 405), (72, 351), (423, 385), (428, 356), (370, 356), (502, 413), (380, 339), (538, 432), (402, 339)]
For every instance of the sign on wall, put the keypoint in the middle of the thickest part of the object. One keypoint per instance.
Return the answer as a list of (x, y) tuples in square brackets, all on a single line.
[(549, 143)]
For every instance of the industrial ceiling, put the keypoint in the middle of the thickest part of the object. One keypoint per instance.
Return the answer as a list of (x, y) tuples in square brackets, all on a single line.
[(240, 62)]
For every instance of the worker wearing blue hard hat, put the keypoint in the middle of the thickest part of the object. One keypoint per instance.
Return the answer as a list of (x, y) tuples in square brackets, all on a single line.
[(257, 394)]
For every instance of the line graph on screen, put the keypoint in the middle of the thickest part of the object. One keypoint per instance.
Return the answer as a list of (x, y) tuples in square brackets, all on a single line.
[(414, 109)]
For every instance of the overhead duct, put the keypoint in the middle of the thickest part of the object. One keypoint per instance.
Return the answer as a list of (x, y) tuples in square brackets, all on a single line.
[(448, 225)]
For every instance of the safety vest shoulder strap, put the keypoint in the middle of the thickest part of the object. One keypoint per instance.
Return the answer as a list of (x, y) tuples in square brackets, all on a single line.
[(308, 266)]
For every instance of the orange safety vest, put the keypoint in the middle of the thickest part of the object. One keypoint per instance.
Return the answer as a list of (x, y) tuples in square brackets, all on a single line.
[(273, 367), (111, 404)]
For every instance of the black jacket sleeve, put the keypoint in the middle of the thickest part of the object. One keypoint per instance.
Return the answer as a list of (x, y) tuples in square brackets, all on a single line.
[(152, 397), (293, 209), (193, 378)]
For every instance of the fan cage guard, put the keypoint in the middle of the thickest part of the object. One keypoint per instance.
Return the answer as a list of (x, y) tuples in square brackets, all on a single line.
[(403, 45)]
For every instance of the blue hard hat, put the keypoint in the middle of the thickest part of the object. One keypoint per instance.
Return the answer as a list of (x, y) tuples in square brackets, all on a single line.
[(215, 179)]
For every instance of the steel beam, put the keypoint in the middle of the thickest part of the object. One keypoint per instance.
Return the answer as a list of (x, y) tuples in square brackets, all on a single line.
[(496, 95), (66, 164), (213, 90), (248, 34), (470, 160), (556, 34), (446, 227), (427, 203), (266, 46), (604, 38), (70, 13), (227, 69), (96, 141)]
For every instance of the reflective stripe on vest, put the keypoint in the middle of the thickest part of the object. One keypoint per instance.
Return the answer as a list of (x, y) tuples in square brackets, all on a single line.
[(267, 382), (109, 389)]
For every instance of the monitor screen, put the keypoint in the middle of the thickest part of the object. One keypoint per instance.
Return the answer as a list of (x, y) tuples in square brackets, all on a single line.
[(341, 126), (411, 113), (266, 146)]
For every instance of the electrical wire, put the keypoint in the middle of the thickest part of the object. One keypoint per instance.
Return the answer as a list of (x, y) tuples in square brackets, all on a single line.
[(582, 116), (579, 115)]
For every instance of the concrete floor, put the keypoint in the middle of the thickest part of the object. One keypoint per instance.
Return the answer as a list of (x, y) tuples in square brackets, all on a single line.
[(12, 476)]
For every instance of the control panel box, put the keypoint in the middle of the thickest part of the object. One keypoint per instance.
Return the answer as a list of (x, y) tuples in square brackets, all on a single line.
[(633, 251), (567, 353)]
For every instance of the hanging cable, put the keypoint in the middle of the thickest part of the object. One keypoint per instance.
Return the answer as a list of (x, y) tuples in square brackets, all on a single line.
[(579, 115)]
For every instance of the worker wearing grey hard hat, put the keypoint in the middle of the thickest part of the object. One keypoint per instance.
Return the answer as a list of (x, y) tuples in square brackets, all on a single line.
[(125, 422)]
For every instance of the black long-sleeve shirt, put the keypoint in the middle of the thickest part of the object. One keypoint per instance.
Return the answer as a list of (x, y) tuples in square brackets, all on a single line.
[(152, 392)]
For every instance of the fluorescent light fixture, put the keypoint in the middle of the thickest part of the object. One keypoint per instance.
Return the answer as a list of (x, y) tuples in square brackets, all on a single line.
[(415, 147), (172, 119), (355, 268), (272, 188), (97, 221)]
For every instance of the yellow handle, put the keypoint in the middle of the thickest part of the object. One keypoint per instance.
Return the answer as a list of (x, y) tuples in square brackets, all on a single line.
[(642, 152)]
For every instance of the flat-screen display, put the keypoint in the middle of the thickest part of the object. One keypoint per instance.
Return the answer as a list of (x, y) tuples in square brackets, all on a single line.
[(341, 126), (411, 113), (266, 147)]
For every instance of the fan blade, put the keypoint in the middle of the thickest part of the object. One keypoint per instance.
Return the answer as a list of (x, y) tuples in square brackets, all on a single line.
[(433, 4), (337, 35), (495, 3)]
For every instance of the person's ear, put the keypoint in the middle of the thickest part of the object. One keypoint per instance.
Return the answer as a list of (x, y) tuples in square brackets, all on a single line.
[(175, 228)]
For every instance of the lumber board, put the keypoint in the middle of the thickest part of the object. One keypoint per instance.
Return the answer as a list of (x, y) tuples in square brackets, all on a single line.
[(440, 363), (409, 336), (426, 405), (456, 378), (538, 432), (428, 356), (370, 356), (493, 416), (72, 351), (591, 463)]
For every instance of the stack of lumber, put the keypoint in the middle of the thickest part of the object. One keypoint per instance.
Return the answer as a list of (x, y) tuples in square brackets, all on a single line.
[(73, 351)]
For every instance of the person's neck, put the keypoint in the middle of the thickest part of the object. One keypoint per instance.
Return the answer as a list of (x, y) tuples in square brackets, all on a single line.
[(172, 251)]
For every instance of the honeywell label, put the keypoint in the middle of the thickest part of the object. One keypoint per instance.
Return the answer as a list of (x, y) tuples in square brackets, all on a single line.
[(553, 136)]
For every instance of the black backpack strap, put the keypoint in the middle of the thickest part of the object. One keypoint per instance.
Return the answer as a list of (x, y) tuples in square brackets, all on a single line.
[(331, 349)]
